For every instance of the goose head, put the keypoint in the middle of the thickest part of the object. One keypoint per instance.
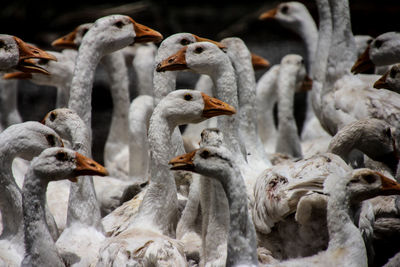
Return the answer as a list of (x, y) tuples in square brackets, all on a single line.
[(190, 106), (202, 57), (15, 53), (289, 13), (73, 39), (32, 137), (383, 50), (208, 161), (61, 163), (293, 65), (177, 41), (361, 184), (390, 80), (61, 71)]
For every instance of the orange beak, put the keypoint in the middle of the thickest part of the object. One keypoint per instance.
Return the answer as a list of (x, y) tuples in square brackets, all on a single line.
[(29, 51), (270, 14), (67, 41), (215, 107), (17, 75), (174, 62), (381, 83), (183, 162), (201, 39), (259, 62), (363, 63), (389, 187), (145, 34), (87, 166)]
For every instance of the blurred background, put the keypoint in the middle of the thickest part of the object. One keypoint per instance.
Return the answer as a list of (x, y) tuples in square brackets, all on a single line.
[(41, 22)]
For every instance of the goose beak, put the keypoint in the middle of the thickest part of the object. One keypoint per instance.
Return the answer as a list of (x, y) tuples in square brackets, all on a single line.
[(215, 107), (270, 14), (389, 186), (174, 62), (381, 83), (87, 166), (306, 85), (201, 39), (363, 63), (29, 51), (26, 66), (259, 62), (17, 75), (183, 162), (67, 41), (145, 34)]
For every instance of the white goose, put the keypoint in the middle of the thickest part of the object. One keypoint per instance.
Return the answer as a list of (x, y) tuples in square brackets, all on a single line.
[(156, 218), (52, 164), (218, 163), (25, 140)]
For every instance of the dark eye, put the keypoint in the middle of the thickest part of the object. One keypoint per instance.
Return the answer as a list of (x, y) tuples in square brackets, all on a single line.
[(302, 62), (51, 139), (378, 43), (61, 155), (369, 178), (119, 24), (370, 41), (2, 44), (84, 32), (185, 42), (205, 154), (188, 97), (53, 116), (388, 132), (198, 50), (43, 61), (285, 9)]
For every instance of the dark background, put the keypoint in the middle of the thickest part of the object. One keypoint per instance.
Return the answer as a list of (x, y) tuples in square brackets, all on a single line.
[(41, 22)]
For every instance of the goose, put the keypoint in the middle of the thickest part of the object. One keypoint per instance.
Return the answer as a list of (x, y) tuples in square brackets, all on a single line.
[(61, 75), (390, 80), (346, 246), (156, 218), (15, 54), (25, 140), (52, 164), (382, 51), (218, 163), (143, 64), (372, 137)]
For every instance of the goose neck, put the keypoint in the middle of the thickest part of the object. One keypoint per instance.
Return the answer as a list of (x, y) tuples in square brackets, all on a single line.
[(163, 84), (309, 33)]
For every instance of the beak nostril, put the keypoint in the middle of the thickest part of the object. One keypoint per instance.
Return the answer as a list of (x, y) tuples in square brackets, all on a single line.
[(170, 60)]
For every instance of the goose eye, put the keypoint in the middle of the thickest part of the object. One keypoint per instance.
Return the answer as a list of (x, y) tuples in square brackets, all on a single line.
[(388, 132), (302, 62), (119, 24), (43, 61), (53, 116), (61, 156), (2, 44), (84, 32), (188, 97), (369, 178), (198, 50), (185, 42), (205, 154), (378, 43), (51, 139), (285, 9), (370, 41)]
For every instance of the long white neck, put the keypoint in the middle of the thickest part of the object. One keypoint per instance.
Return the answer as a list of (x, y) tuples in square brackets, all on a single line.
[(10, 194), (62, 95), (80, 101), (288, 141), (39, 245), (8, 103), (242, 241), (342, 54), (205, 84), (266, 97), (342, 231), (319, 89), (159, 208), (139, 155), (144, 63), (246, 86), (118, 135), (224, 80), (309, 33)]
